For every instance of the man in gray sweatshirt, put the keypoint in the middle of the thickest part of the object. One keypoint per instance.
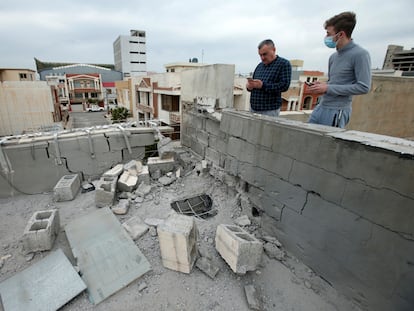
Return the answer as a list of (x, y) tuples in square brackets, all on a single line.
[(349, 73)]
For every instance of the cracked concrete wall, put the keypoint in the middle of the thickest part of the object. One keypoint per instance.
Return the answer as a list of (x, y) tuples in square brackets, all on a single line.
[(341, 201), (34, 164)]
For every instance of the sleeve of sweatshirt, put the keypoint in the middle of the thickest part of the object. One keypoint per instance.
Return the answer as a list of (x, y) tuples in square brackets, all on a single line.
[(362, 74)]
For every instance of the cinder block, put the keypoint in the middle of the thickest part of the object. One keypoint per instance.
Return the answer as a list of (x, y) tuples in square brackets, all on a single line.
[(67, 188), (143, 175), (164, 165), (178, 242), (105, 191), (41, 231), (127, 182), (239, 249), (115, 171)]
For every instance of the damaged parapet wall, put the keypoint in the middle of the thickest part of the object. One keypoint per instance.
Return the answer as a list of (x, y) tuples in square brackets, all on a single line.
[(34, 164), (341, 201)]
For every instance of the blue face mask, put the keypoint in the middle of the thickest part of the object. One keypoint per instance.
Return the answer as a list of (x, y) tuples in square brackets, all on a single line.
[(329, 42)]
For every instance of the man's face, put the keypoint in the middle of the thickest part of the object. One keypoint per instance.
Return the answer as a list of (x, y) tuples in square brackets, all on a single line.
[(267, 54)]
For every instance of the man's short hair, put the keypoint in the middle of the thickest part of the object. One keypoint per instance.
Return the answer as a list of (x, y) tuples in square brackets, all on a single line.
[(266, 42), (345, 22)]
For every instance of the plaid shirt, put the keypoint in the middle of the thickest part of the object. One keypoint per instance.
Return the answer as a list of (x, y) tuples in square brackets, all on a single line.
[(276, 79)]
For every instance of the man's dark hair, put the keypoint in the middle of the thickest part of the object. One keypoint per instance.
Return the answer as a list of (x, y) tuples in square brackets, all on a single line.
[(345, 22), (266, 42)]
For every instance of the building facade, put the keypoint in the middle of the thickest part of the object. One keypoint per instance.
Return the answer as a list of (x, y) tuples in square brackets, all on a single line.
[(17, 74), (130, 54), (399, 59)]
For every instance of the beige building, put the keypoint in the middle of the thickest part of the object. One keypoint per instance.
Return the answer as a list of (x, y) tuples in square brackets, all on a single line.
[(16, 74)]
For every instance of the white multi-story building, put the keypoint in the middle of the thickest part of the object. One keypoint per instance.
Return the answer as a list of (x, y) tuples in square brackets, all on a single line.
[(130, 54)]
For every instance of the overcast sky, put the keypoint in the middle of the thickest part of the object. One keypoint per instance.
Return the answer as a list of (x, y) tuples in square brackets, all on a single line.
[(214, 31)]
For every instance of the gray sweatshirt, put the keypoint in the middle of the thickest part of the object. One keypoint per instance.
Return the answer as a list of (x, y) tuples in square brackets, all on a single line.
[(349, 74)]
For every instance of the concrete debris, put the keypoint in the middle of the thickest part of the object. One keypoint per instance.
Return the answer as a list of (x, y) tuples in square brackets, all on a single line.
[(252, 298), (3, 260), (272, 239), (207, 266), (166, 181), (116, 171), (165, 148), (121, 208), (143, 189), (135, 227), (243, 221), (274, 252), (139, 199), (156, 174), (87, 186), (153, 231), (127, 182), (142, 286), (67, 188), (155, 222), (133, 167)]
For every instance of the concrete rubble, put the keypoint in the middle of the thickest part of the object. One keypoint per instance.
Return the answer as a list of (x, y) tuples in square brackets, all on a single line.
[(237, 248)]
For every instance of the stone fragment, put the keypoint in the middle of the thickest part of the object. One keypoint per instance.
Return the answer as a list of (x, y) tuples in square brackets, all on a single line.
[(127, 182), (116, 171), (165, 181), (121, 208), (252, 298), (243, 221), (207, 266), (143, 189), (135, 227), (274, 252)]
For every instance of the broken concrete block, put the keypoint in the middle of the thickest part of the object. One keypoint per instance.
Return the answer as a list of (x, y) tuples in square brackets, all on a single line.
[(274, 252), (242, 221), (144, 176), (252, 298), (135, 227), (165, 165), (133, 167), (127, 182), (239, 249), (105, 191), (143, 189), (207, 266), (41, 231), (165, 148), (121, 208), (67, 188), (116, 171), (178, 242), (165, 181)]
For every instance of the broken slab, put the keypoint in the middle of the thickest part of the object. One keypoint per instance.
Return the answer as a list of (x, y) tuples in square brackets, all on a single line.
[(46, 285), (107, 257), (41, 231), (121, 208), (241, 250), (66, 188), (178, 242)]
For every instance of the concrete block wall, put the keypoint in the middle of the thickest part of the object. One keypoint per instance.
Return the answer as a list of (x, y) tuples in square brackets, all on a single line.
[(341, 201), (24, 160)]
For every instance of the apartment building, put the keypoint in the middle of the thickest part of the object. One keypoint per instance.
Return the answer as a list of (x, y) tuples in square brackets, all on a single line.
[(130, 54), (399, 59)]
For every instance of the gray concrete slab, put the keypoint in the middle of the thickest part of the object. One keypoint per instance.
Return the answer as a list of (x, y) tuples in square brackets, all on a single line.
[(107, 257), (46, 285)]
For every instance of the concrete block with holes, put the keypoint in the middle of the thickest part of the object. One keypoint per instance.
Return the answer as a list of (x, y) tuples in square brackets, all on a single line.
[(67, 188), (105, 191), (241, 250), (41, 231), (178, 236)]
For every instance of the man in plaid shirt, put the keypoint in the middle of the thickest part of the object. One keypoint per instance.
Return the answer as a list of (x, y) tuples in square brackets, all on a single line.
[(270, 78)]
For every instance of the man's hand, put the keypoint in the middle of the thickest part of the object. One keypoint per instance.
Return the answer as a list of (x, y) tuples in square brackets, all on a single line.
[(318, 87), (254, 84)]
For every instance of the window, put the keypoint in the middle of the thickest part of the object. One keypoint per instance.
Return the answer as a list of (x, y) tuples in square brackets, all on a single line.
[(23, 76)]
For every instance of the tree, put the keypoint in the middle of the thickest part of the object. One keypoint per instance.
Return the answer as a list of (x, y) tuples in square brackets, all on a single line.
[(120, 114)]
